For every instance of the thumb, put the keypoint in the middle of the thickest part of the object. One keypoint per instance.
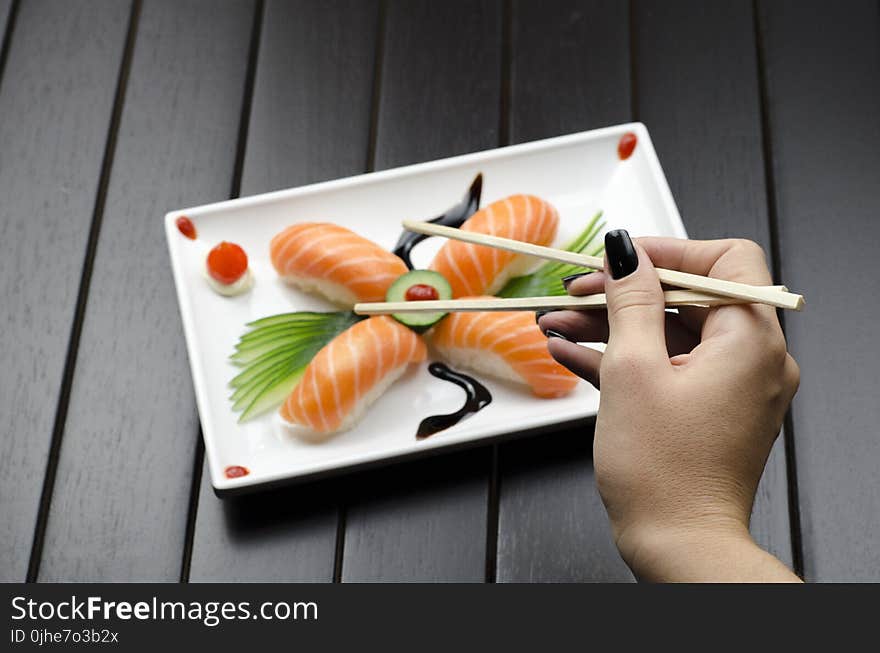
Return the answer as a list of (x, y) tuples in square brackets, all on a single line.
[(636, 315)]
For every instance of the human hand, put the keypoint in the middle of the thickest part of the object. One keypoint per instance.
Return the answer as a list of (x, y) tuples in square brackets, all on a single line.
[(690, 406)]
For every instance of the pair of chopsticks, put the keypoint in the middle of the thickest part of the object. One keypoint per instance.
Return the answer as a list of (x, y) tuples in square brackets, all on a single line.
[(699, 290)]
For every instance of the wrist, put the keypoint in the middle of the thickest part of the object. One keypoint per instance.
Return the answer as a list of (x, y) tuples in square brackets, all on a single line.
[(722, 551)]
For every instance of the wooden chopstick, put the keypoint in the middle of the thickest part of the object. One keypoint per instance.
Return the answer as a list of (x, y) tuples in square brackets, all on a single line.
[(770, 295), (558, 302)]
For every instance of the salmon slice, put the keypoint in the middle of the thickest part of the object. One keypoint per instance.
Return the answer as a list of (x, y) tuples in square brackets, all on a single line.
[(349, 374), (508, 345), (480, 270), (334, 261)]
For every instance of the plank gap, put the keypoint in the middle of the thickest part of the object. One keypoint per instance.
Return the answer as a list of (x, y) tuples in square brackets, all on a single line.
[(493, 500), (794, 513), (506, 54), (193, 510), (339, 549), (633, 63), (492, 518), (82, 297), (234, 192), (247, 100), (7, 36), (369, 166), (377, 86)]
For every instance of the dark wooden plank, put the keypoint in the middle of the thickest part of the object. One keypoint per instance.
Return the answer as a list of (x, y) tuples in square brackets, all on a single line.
[(570, 72), (5, 8), (56, 99), (570, 67), (440, 96), (420, 521), (311, 110), (699, 95), (441, 80), (119, 509), (285, 535), (552, 526), (824, 102), (310, 121)]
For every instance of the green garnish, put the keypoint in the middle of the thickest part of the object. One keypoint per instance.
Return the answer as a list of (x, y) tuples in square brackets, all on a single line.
[(274, 354), (547, 279)]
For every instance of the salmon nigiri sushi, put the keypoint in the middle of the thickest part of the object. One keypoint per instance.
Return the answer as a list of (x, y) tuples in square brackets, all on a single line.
[(480, 270), (348, 374), (508, 345), (336, 262)]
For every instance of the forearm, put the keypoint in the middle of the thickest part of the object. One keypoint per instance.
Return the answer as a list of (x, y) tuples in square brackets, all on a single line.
[(709, 555)]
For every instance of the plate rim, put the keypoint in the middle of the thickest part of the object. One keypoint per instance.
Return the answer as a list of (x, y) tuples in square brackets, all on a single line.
[(225, 487)]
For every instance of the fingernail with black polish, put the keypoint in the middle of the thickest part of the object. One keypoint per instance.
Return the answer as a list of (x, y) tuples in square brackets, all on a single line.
[(540, 314), (550, 333), (622, 256), (567, 280)]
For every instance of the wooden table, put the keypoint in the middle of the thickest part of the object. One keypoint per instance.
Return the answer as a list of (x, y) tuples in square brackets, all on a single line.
[(767, 121)]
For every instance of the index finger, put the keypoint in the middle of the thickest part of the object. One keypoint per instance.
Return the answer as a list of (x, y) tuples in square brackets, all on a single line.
[(732, 259)]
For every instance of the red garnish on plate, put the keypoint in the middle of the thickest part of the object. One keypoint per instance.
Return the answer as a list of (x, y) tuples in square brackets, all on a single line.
[(227, 262), (421, 292), (186, 227), (626, 146), (236, 471)]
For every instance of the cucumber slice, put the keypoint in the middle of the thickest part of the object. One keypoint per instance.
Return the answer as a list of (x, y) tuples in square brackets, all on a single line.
[(271, 396), (255, 372), (249, 356), (427, 280), (274, 354), (282, 329), (243, 396), (292, 334), (286, 318)]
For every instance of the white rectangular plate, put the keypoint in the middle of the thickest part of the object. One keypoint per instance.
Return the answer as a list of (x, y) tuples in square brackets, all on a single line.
[(579, 174)]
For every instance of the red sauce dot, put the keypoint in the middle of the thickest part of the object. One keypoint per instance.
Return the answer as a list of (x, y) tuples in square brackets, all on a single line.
[(186, 227), (227, 262), (421, 292), (626, 146), (236, 471)]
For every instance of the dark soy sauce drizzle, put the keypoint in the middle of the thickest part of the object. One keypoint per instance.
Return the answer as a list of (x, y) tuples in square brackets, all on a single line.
[(478, 397), (453, 217)]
